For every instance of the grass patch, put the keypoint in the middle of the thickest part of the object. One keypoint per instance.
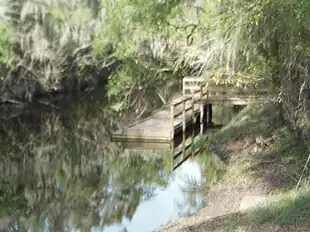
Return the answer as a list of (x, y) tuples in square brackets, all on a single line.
[(259, 150), (290, 212), (263, 158), (292, 208), (253, 120), (257, 146)]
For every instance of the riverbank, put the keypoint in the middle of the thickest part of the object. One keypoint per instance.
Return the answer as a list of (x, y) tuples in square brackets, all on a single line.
[(258, 189)]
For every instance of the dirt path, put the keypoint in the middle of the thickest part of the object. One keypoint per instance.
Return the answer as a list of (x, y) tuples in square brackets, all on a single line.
[(225, 200)]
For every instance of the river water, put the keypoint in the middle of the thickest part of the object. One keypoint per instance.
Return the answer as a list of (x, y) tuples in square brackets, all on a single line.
[(60, 172)]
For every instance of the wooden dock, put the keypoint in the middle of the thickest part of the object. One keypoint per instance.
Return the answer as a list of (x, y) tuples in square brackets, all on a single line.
[(184, 117)]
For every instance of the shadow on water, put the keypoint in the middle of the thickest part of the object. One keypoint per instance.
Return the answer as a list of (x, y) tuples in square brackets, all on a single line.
[(59, 172)]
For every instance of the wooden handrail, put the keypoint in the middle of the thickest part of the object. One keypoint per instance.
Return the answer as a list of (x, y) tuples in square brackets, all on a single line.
[(199, 85), (142, 130), (187, 98), (194, 79), (181, 101), (175, 115), (196, 83), (185, 109), (190, 99)]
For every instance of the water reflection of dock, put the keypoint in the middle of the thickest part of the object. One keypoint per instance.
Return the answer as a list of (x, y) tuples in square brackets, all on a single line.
[(184, 117)]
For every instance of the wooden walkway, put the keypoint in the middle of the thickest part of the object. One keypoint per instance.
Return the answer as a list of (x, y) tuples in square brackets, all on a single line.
[(184, 117), (162, 124)]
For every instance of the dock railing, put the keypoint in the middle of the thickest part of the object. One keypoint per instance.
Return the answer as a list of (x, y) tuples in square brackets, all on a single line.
[(199, 90), (192, 103), (188, 103), (192, 84)]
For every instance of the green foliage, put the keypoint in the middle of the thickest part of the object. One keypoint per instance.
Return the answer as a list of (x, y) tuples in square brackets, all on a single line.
[(231, 42), (131, 29), (52, 40), (261, 25), (130, 22), (134, 77), (6, 53), (11, 199)]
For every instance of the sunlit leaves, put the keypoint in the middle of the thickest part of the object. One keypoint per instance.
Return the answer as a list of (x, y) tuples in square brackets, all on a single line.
[(137, 31), (6, 52), (49, 35)]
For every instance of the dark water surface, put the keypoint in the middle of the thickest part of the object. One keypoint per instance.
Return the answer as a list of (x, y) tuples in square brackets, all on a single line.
[(59, 172)]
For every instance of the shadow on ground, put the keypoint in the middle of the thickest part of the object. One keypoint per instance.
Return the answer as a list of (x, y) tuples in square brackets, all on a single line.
[(292, 213), (260, 146)]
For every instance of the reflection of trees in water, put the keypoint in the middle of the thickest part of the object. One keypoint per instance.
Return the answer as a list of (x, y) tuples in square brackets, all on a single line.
[(59, 170), (194, 189)]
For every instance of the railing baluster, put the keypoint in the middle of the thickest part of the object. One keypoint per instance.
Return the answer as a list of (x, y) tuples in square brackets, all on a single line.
[(172, 108), (193, 122), (183, 127)]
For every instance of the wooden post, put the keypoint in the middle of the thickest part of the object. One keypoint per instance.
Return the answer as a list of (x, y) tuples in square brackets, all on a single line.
[(205, 109), (193, 123), (209, 114), (172, 120), (172, 107), (224, 94), (201, 112), (183, 128)]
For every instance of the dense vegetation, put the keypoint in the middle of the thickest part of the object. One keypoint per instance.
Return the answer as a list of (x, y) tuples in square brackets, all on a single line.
[(133, 44), (136, 47)]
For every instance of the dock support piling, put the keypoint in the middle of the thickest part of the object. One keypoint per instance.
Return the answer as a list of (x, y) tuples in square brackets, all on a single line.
[(201, 112), (210, 114), (172, 120), (172, 107)]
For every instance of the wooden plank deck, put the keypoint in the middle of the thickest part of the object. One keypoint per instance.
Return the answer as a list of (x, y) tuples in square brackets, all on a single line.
[(176, 125), (157, 127), (164, 124)]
